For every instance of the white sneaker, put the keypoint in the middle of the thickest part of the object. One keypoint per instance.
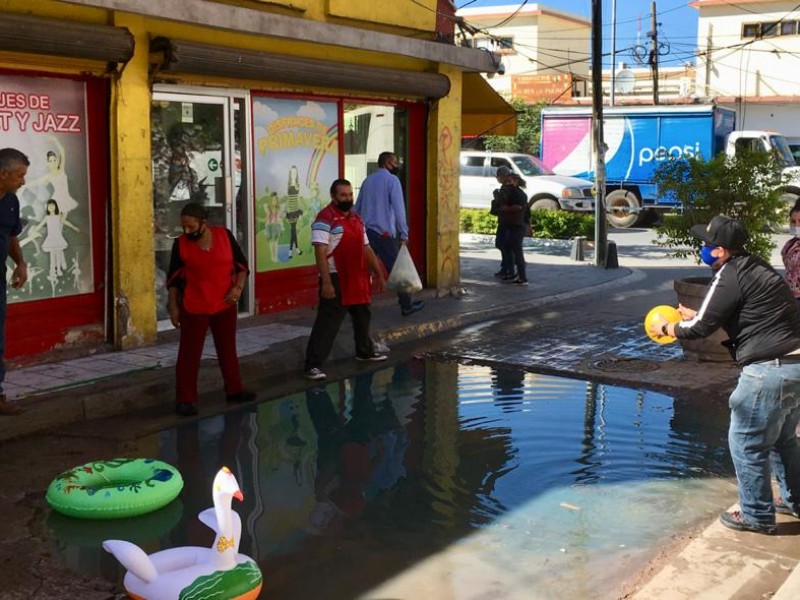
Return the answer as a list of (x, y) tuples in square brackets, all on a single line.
[(315, 374), (374, 357)]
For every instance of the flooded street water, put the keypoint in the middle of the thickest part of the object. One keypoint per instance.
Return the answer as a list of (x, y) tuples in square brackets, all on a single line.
[(440, 480)]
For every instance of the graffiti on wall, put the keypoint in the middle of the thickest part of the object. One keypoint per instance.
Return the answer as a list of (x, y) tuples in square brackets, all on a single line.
[(45, 118), (448, 168)]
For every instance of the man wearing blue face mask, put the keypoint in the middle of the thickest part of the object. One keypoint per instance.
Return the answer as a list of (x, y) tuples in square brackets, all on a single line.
[(752, 302)]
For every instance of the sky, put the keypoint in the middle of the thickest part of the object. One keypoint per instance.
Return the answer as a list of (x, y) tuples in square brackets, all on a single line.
[(678, 28)]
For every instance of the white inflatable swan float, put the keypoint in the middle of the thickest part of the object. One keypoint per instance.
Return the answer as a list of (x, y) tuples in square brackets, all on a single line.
[(219, 572)]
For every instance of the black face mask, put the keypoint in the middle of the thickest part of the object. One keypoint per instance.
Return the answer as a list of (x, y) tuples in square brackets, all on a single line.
[(344, 206), (394, 170), (195, 235)]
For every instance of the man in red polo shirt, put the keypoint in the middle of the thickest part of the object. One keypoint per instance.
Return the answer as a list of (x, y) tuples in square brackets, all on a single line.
[(343, 256)]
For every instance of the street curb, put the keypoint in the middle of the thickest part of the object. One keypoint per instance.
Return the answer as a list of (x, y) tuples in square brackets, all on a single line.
[(790, 590)]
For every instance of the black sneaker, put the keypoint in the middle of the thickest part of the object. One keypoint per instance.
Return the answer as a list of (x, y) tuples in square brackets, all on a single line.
[(186, 409), (784, 509), (519, 281), (735, 520), (241, 397), (416, 306), (500, 274), (509, 278), (315, 374)]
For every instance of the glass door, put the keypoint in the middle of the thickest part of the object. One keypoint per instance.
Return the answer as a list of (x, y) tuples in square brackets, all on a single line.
[(198, 154)]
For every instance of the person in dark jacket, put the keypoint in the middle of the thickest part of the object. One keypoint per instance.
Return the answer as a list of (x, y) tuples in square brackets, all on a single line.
[(752, 302), (507, 270), (511, 204)]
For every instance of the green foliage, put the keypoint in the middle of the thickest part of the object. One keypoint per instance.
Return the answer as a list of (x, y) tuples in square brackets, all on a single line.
[(550, 224), (528, 131), (477, 220), (562, 224), (745, 187)]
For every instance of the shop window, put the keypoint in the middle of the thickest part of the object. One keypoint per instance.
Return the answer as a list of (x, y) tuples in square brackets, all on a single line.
[(49, 125), (369, 130)]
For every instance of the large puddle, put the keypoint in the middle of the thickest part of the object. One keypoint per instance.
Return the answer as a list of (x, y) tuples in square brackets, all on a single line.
[(440, 480)]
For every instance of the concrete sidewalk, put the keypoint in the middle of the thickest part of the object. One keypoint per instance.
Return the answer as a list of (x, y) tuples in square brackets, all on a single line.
[(569, 298)]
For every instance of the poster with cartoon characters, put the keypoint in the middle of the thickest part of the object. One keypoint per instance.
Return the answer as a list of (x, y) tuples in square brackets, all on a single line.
[(296, 160), (45, 118)]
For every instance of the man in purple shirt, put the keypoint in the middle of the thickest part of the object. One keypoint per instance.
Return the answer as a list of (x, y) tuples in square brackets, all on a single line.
[(382, 208)]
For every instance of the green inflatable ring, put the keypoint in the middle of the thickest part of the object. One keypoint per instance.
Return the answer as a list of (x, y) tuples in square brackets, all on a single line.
[(114, 489)]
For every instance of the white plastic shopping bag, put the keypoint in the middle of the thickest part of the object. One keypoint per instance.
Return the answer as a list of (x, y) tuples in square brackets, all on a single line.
[(404, 276)]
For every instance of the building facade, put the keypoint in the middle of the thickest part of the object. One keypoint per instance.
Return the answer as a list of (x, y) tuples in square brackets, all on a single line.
[(544, 52), (130, 110), (747, 52)]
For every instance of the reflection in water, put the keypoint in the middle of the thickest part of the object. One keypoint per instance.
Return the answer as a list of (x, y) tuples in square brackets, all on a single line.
[(379, 485)]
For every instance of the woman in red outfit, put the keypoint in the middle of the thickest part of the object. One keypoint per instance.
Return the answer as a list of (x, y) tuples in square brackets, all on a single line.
[(207, 273)]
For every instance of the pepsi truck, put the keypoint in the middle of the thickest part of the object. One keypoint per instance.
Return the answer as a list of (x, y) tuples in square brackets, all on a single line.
[(638, 139)]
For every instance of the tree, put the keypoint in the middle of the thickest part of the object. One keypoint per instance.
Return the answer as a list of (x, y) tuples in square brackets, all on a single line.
[(528, 131), (745, 187)]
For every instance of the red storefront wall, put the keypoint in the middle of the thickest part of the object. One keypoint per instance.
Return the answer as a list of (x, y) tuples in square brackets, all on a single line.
[(38, 326)]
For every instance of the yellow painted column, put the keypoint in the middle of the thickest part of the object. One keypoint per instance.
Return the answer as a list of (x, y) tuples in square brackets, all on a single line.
[(131, 235), (444, 145)]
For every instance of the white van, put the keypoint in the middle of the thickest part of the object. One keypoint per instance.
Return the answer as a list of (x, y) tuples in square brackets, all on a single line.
[(545, 190)]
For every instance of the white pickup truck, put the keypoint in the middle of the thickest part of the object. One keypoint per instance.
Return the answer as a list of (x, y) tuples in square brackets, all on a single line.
[(545, 190), (775, 143)]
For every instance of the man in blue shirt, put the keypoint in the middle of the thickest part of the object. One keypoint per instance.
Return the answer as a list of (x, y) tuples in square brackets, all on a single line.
[(382, 208), (13, 168)]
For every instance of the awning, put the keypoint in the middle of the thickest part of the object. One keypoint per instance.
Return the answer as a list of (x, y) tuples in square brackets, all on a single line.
[(182, 56), (60, 37), (484, 111)]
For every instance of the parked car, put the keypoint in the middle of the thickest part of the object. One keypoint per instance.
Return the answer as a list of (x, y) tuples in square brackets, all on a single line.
[(545, 189)]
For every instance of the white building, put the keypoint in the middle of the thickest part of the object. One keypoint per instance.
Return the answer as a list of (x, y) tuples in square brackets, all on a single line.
[(749, 58), (541, 47), (546, 54)]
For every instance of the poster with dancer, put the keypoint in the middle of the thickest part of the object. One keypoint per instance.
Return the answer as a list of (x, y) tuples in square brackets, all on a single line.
[(296, 160), (45, 118)]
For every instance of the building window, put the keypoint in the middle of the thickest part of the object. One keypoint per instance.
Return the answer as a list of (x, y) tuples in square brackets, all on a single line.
[(769, 29), (789, 28)]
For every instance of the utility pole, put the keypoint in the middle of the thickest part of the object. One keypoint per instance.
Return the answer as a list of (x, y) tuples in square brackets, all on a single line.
[(597, 128), (613, 52), (654, 50)]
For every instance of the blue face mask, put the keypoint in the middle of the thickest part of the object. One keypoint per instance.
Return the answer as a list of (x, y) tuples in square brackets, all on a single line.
[(705, 255)]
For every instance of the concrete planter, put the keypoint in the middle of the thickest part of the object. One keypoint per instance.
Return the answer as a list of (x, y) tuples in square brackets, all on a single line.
[(691, 291)]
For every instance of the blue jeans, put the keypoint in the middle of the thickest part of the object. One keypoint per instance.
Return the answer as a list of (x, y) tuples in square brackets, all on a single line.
[(765, 410), (387, 248)]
